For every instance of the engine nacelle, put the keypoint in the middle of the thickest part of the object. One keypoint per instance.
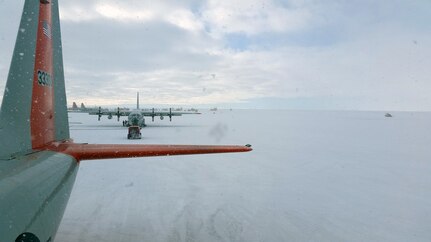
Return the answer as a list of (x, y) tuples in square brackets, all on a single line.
[(110, 116), (161, 117)]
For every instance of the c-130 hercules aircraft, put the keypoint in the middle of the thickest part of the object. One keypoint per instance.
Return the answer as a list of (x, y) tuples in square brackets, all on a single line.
[(38, 160), (137, 117)]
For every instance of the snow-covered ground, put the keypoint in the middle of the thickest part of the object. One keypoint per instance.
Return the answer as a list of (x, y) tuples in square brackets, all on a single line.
[(312, 176)]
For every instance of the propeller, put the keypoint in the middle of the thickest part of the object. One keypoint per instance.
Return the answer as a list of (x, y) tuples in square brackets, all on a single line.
[(118, 114), (170, 114), (152, 115), (99, 113)]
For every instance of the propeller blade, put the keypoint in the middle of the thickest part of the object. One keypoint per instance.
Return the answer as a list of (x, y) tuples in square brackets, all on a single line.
[(170, 114), (100, 113)]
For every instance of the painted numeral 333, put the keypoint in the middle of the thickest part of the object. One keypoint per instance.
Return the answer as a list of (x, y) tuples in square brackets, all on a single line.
[(43, 78)]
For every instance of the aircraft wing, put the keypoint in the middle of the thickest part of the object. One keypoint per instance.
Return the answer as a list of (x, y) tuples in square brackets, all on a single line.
[(110, 113), (153, 113), (165, 113)]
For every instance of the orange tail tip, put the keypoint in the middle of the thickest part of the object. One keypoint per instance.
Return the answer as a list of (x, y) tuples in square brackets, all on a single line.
[(107, 151)]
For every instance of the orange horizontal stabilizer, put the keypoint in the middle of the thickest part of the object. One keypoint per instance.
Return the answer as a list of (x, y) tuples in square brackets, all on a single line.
[(107, 151)]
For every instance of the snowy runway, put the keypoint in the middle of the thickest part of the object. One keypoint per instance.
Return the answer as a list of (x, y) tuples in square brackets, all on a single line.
[(312, 176)]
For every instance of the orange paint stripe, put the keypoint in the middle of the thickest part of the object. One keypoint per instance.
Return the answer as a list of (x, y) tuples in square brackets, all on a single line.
[(42, 108)]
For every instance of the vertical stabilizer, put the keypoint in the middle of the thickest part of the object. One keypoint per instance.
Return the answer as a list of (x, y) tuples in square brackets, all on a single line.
[(137, 101), (33, 111)]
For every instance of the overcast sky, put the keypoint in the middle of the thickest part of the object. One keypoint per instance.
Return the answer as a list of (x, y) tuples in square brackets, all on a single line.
[(352, 54)]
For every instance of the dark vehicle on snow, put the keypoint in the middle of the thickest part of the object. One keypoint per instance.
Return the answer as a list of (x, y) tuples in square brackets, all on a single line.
[(134, 132)]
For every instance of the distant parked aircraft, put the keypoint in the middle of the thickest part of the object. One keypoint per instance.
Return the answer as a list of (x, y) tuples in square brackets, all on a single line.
[(75, 108), (38, 160), (137, 117)]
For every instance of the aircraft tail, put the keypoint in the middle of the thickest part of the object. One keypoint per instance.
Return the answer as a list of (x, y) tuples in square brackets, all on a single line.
[(33, 112)]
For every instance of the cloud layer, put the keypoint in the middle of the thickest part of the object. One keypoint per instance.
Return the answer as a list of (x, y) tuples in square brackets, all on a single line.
[(353, 55)]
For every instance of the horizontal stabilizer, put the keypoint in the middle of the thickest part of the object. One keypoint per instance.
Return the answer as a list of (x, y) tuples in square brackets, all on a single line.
[(107, 151)]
